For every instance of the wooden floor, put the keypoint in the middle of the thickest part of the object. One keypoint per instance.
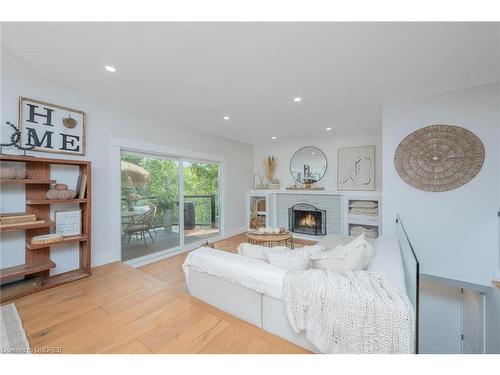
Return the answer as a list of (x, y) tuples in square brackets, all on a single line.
[(120, 309)]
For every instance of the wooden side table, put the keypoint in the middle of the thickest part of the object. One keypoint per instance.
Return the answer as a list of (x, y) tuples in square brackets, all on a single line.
[(272, 239)]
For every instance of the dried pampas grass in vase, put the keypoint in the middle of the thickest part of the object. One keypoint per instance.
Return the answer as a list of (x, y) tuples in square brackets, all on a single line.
[(270, 165)]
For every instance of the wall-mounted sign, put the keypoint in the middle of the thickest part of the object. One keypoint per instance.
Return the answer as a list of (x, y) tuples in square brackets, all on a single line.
[(51, 128)]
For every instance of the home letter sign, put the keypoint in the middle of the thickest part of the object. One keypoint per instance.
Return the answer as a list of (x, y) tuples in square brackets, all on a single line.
[(51, 128)]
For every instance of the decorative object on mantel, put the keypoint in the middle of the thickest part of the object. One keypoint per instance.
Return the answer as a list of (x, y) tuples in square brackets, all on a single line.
[(439, 158), (258, 181), (51, 128), (308, 166), (46, 239), (15, 140), (270, 165), (304, 187), (356, 168)]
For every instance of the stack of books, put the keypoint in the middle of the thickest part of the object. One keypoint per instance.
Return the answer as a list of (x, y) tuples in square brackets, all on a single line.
[(18, 219)]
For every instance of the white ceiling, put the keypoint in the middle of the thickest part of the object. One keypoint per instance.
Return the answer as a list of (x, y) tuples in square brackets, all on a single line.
[(192, 74)]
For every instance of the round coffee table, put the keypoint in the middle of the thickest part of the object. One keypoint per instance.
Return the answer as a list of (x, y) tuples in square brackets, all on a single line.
[(270, 239)]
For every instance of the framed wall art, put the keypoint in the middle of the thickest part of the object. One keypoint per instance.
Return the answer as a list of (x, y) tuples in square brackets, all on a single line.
[(69, 223), (51, 127), (356, 168)]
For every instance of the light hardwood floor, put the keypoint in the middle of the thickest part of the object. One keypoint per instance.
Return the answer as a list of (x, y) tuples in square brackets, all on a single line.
[(120, 309)]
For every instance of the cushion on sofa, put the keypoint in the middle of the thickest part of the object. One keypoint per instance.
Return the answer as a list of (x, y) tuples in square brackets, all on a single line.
[(354, 256), (256, 251), (291, 260), (310, 249)]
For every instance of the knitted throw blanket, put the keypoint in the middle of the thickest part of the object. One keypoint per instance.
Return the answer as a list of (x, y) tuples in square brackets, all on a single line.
[(359, 312)]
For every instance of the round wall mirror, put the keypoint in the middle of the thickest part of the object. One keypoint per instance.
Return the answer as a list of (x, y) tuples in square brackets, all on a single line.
[(308, 165)]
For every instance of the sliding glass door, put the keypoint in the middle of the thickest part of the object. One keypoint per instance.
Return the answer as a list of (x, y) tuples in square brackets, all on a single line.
[(201, 200), (149, 204), (152, 190)]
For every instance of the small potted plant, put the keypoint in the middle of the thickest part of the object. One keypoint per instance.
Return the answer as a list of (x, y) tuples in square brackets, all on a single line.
[(165, 205)]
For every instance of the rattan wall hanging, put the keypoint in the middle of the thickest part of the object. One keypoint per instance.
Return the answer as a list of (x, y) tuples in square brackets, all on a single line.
[(439, 157)]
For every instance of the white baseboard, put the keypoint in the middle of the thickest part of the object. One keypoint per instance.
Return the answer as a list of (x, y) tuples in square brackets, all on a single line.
[(234, 232), (151, 258)]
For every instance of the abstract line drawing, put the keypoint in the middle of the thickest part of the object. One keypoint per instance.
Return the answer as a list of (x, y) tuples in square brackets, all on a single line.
[(356, 168)]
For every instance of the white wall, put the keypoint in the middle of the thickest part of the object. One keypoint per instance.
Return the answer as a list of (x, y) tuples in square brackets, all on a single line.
[(493, 299), (455, 233), (439, 335), (104, 122), (492, 313), (284, 148)]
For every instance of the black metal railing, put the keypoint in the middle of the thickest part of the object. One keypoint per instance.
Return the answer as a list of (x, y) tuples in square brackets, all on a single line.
[(199, 210)]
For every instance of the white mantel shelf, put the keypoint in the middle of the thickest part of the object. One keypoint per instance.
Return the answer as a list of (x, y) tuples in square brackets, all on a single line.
[(272, 196), (263, 192)]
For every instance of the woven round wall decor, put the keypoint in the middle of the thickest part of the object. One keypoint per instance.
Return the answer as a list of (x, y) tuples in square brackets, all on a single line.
[(439, 157)]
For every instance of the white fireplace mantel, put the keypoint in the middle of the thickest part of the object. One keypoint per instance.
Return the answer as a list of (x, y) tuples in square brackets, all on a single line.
[(271, 212), (361, 194)]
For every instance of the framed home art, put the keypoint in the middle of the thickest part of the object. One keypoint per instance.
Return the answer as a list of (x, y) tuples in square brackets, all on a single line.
[(356, 168), (51, 127)]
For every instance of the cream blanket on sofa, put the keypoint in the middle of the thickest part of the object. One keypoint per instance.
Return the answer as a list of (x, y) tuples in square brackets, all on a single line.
[(356, 312)]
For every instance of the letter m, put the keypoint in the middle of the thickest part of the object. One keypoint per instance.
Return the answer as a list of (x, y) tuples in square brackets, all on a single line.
[(33, 139)]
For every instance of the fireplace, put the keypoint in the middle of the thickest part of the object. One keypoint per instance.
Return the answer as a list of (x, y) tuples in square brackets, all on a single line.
[(307, 219)]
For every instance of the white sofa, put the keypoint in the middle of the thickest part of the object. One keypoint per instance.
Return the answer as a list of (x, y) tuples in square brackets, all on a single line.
[(251, 289)]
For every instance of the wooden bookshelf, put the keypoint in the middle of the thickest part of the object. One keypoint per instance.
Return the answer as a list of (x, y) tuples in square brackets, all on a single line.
[(55, 201), (25, 226), (26, 269), (65, 241), (37, 257), (25, 181)]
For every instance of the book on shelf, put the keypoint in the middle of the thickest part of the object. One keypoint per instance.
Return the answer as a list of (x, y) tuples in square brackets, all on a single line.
[(77, 187), (82, 188), (15, 225), (17, 218)]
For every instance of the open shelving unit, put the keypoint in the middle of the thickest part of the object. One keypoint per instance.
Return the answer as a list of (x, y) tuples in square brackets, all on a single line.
[(37, 265), (258, 207), (371, 223)]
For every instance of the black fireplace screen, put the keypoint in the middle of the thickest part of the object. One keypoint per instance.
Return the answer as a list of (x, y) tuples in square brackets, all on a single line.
[(307, 219)]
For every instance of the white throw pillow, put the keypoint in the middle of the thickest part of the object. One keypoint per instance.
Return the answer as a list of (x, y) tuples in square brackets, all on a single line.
[(369, 253), (311, 249), (256, 251), (291, 260), (355, 256)]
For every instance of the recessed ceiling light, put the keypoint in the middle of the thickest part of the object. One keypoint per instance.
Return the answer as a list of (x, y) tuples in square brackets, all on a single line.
[(328, 129), (297, 99), (226, 118), (273, 137), (110, 68), (313, 153)]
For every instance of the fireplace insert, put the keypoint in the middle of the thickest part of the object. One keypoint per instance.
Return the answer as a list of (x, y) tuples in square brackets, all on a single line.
[(307, 219)]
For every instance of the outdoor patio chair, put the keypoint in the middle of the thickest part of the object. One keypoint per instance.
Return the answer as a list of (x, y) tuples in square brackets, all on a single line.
[(140, 225)]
